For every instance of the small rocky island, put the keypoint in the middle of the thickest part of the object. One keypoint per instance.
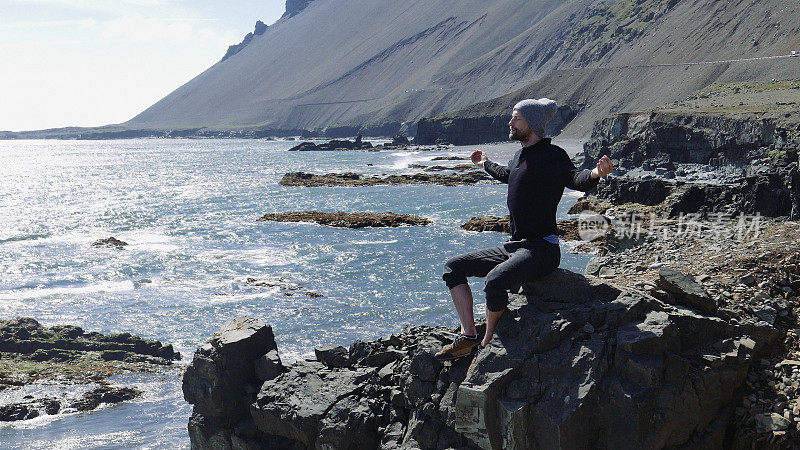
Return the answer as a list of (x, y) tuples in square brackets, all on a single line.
[(399, 142), (66, 355), (355, 180), (347, 220)]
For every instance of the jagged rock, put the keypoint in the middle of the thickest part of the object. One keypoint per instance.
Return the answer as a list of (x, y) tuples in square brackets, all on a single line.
[(768, 422), (450, 158), (50, 406), (221, 381), (333, 356), (354, 179), (488, 223), (399, 139), (269, 366), (665, 139), (295, 6), (111, 242), (589, 392), (105, 394), (740, 172), (382, 358), (296, 404), (304, 147), (686, 290), (593, 267), (767, 314), (457, 168), (259, 29), (764, 194), (18, 411), (348, 220)]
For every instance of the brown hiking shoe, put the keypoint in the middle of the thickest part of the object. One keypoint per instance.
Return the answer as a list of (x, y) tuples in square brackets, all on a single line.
[(461, 346)]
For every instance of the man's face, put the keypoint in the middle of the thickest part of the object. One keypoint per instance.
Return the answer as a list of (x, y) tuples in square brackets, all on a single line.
[(518, 129)]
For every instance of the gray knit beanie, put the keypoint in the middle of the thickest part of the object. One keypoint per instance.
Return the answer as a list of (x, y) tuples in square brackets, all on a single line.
[(537, 113)]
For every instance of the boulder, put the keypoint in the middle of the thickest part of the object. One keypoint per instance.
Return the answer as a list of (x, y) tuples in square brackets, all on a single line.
[(222, 379), (296, 403), (685, 290), (547, 379), (104, 394), (269, 366), (333, 356), (110, 242), (399, 139)]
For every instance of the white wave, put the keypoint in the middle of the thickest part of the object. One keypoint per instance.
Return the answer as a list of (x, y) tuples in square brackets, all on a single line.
[(572, 194), (404, 159), (149, 240), (266, 256), (393, 241), (108, 286)]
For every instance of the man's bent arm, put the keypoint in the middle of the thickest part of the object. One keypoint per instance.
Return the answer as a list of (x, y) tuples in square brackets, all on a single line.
[(580, 180), (497, 171)]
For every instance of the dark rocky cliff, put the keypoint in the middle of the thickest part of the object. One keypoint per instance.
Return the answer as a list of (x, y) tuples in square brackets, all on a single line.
[(679, 138), (702, 162), (462, 130), (576, 363)]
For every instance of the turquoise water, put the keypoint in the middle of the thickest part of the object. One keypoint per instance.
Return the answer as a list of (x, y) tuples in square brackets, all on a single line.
[(188, 209)]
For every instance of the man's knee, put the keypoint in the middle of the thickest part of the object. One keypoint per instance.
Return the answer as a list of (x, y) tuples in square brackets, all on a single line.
[(496, 301), (499, 281), (453, 272)]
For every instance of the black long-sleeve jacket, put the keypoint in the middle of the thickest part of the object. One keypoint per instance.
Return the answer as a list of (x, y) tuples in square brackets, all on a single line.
[(536, 180)]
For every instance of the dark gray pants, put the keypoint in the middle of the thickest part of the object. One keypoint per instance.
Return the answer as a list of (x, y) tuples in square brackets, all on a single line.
[(505, 267)]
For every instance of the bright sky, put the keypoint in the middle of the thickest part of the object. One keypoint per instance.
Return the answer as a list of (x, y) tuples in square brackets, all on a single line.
[(97, 62)]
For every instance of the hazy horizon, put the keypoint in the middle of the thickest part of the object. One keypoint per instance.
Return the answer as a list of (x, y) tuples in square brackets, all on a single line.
[(83, 63)]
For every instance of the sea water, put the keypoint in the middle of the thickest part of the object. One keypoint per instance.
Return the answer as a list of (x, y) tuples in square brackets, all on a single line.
[(188, 210)]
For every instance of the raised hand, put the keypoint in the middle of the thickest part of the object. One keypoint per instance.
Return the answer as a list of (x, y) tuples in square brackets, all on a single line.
[(604, 167), (478, 158)]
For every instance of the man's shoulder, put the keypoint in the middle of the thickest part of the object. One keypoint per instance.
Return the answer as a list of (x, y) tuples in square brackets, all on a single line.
[(556, 151)]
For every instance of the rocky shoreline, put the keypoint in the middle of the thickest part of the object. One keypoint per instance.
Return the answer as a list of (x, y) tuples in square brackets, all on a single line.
[(68, 356), (347, 220)]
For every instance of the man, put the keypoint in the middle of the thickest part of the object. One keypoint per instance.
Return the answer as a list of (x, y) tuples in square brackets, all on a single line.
[(536, 178)]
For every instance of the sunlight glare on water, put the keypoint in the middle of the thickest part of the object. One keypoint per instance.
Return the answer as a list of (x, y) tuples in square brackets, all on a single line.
[(188, 210)]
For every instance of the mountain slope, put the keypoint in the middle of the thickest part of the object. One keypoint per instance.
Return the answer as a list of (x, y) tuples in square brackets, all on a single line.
[(374, 62)]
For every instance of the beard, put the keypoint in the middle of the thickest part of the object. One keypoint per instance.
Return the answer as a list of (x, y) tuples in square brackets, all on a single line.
[(517, 135)]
